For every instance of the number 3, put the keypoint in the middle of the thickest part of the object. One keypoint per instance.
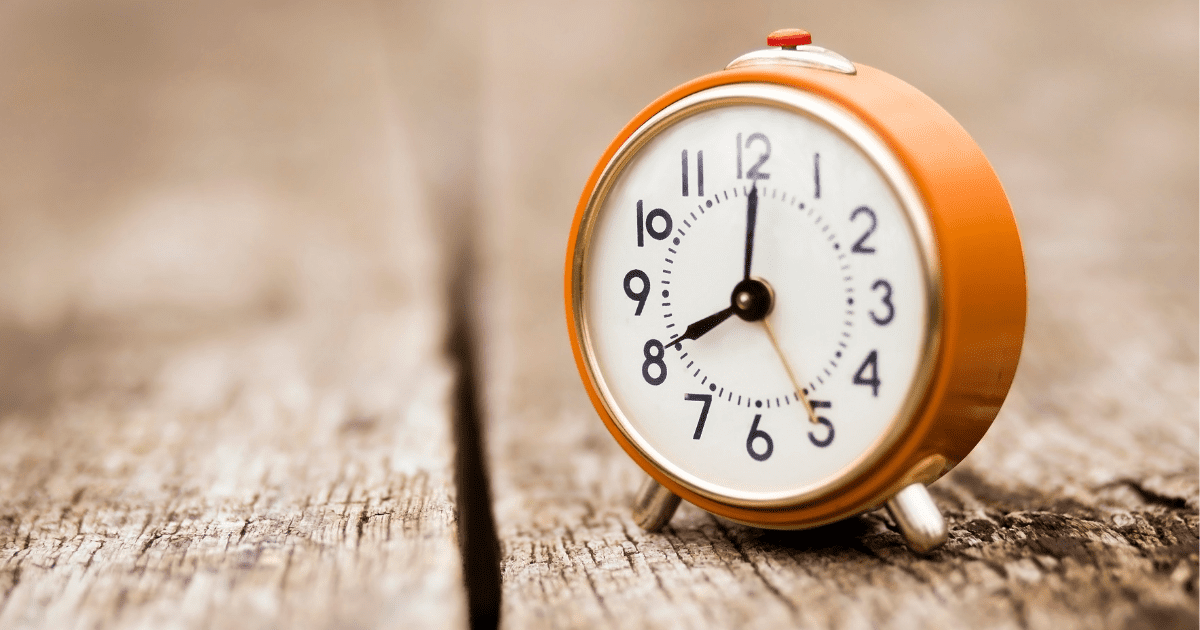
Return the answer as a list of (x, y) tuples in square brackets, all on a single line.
[(887, 301)]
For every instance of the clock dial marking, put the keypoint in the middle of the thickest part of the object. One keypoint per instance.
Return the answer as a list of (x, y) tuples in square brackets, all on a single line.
[(756, 297)]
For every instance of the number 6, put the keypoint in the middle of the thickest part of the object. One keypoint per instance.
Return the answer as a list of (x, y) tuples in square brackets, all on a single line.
[(755, 434)]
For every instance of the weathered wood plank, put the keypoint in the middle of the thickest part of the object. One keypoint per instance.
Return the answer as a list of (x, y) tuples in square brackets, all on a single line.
[(1079, 509), (283, 474), (225, 400)]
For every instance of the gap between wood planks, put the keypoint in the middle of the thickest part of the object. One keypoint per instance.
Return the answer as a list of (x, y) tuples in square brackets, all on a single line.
[(477, 538)]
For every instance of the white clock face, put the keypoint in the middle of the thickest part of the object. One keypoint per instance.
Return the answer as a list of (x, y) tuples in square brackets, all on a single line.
[(741, 218)]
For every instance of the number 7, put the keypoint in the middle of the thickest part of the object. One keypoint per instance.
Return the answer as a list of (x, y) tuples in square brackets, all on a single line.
[(707, 398)]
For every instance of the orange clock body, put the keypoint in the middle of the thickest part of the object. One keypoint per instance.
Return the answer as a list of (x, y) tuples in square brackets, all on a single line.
[(981, 297)]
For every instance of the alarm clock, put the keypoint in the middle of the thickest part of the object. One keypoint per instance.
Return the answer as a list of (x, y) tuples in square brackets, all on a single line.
[(795, 293)]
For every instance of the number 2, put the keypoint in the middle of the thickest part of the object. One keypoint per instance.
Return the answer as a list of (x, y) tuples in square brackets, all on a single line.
[(860, 246)]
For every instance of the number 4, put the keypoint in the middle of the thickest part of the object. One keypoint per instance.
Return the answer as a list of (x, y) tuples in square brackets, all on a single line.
[(872, 379)]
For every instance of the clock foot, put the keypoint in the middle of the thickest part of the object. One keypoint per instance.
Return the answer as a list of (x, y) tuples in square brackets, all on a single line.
[(654, 505), (918, 518)]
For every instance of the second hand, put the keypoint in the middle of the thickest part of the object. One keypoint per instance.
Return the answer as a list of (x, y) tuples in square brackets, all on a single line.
[(812, 416)]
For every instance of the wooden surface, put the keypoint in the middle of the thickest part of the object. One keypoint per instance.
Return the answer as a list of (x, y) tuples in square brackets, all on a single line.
[(226, 400), (268, 475), (266, 271), (1077, 510)]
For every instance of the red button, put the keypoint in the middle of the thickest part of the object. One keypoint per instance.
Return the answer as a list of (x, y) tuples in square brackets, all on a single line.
[(789, 37)]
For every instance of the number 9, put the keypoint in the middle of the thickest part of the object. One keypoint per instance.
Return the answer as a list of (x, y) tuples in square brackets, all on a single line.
[(640, 295)]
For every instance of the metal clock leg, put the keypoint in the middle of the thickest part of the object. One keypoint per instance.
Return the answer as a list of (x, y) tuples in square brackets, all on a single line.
[(918, 518), (654, 505)]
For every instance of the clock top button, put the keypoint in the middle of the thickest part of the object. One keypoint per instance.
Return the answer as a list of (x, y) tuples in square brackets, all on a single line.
[(789, 38), (794, 47)]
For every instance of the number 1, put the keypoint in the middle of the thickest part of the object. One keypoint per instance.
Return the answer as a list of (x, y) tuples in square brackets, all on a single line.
[(817, 175)]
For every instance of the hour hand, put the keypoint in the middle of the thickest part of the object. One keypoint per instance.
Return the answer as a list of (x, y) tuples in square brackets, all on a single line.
[(698, 328)]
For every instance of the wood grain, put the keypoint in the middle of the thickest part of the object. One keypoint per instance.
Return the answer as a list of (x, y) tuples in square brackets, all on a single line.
[(271, 475), (1078, 509), (225, 397)]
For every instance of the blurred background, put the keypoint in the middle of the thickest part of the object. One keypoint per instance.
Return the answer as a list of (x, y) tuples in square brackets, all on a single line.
[(234, 238), (172, 169)]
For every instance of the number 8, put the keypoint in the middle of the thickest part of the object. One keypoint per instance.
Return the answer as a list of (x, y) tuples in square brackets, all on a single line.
[(654, 359)]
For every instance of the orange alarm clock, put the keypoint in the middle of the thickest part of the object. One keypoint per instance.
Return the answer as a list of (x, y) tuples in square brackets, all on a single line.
[(795, 292)]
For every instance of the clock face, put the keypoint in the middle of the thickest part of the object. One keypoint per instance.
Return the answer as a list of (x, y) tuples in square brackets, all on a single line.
[(755, 288)]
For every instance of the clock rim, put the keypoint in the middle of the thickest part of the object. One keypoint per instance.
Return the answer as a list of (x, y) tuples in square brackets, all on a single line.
[(855, 133), (983, 284)]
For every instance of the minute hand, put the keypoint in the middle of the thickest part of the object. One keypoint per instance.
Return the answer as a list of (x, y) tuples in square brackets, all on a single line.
[(751, 217)]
